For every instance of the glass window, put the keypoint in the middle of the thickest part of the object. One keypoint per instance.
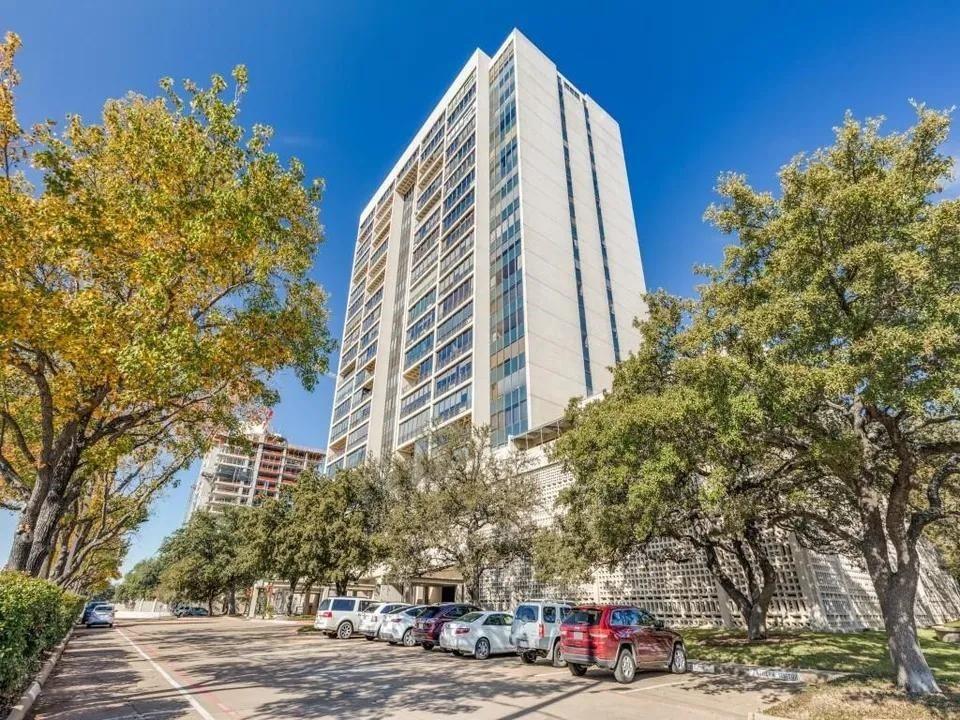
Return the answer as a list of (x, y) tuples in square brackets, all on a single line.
[(549, 614), (471, 616), (343, 604), (527, 613), (583, 616), (324, 604), (430, 612)]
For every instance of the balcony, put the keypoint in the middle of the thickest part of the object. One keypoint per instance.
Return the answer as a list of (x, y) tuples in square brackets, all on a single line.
[(408, 174)]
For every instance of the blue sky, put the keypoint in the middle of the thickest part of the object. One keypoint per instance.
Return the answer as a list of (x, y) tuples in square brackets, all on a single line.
[(698, 88)]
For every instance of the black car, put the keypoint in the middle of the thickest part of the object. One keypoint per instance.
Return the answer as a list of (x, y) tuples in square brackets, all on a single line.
[(191, 612), (429, 623), (87, 609)]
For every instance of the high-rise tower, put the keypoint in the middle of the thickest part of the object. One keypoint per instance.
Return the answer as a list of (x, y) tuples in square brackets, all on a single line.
[(497, 271)]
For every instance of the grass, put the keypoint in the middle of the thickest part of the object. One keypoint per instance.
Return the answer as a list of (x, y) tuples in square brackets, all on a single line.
[(864, 653), (863, 699)]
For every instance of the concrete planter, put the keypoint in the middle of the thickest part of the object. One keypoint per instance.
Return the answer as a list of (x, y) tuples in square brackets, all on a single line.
[(766, 673)]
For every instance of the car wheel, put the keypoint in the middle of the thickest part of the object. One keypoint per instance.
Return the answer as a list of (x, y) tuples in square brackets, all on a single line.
[(111, 624), (427, 645), (408, 640), (457, 653), (557, 660), (578, 670), (345, 630), (482, 649), (626, 667), (529, 657), (678, 663), (370, 637)]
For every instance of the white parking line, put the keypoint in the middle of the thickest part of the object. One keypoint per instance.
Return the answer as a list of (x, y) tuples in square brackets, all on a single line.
[(652, 687), (173, 683)]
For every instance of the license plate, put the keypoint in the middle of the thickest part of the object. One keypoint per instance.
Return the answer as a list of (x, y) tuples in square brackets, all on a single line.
[(577, 635)]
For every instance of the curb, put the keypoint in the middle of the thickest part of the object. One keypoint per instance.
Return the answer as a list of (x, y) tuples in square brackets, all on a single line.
[(20, 710), (766, 673), (764, 716)]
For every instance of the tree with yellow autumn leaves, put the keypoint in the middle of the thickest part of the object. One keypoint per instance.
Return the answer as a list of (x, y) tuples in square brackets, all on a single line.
[(153, 279)]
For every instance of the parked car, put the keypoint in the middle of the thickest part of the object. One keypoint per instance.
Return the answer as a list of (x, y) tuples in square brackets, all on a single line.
[(429, 623), (536, 630), (100, 614), (481, 634), (397, 627), (621, 638), (191, 611), (373, 617), (340, 616)]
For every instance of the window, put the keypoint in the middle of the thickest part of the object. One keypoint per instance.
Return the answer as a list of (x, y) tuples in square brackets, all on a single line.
[(456, 321), (452, 405), (549, 614), (458, 210), (527, 613), (412, 427), (343, 604), (449, 379), (419, 327), (415, 400), (422, 304), (418, 350), (497, 619), (455, 298), (458, 274), (455, 348), (471, 616), (583, 616)]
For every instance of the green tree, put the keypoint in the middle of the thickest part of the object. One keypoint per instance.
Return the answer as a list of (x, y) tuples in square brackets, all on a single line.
[(669, 453), (141, 582), (149, 289), (843, 293), (206, 558), (463, 504)]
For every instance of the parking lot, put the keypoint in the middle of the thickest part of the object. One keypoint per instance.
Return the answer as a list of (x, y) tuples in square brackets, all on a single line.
[(222, 668)]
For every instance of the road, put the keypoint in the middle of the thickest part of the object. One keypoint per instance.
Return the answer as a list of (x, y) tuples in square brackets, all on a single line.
[(229, 669)]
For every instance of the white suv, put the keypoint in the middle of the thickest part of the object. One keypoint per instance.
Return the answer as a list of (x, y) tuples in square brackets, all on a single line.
[(340, 616), (536, 630)]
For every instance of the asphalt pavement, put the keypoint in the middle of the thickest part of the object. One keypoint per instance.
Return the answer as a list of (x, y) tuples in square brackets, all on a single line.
[(229, 669)]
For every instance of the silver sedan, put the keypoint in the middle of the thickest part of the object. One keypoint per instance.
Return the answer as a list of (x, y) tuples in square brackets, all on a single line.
[(480, 634), (397, 627)]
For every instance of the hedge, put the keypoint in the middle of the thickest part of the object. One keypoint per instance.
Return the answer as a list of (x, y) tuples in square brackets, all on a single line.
[(34, 616)]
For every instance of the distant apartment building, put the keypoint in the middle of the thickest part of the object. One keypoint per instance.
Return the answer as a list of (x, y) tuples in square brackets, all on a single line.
[(235, 473), (497, 270)]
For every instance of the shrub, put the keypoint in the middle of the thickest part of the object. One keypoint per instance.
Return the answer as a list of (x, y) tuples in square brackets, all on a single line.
[(34, 616)]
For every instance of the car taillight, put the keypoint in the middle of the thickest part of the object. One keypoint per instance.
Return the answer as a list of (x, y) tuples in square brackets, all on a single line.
[(326, 613), (462, 631), (540, 629), (395, 620)]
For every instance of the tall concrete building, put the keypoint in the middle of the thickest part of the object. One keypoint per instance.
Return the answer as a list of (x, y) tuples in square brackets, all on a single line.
[(497, 270), (235, 473)]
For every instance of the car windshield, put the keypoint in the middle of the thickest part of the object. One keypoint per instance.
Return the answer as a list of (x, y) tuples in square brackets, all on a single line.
[(104, 607), (374, 607), (324, 605), (430, 612), (527, 613), (583, 616), (414, 611), (471, 616)]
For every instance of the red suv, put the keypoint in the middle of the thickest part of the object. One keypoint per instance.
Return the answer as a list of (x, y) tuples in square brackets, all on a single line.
[(429, 623), (621, 638)]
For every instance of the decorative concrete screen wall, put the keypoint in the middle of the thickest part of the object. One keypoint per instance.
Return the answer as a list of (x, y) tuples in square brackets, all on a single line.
[(818, 591)]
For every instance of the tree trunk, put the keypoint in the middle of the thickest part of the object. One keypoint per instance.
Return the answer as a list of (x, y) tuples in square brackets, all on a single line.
[(232, 601), (210, 605), (897, 592), (288, 605), (340, 587), (754, 603)]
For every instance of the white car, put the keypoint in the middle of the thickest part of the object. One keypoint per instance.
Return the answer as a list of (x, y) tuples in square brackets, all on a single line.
[(340, 616), (536, 630), (372, 619), (480, 634), (398, 627)]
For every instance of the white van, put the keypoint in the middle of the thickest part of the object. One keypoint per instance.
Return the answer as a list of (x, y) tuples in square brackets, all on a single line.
[(340, 616)]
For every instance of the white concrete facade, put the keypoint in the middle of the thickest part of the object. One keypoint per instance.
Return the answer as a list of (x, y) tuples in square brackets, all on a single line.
[(468, 301)]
